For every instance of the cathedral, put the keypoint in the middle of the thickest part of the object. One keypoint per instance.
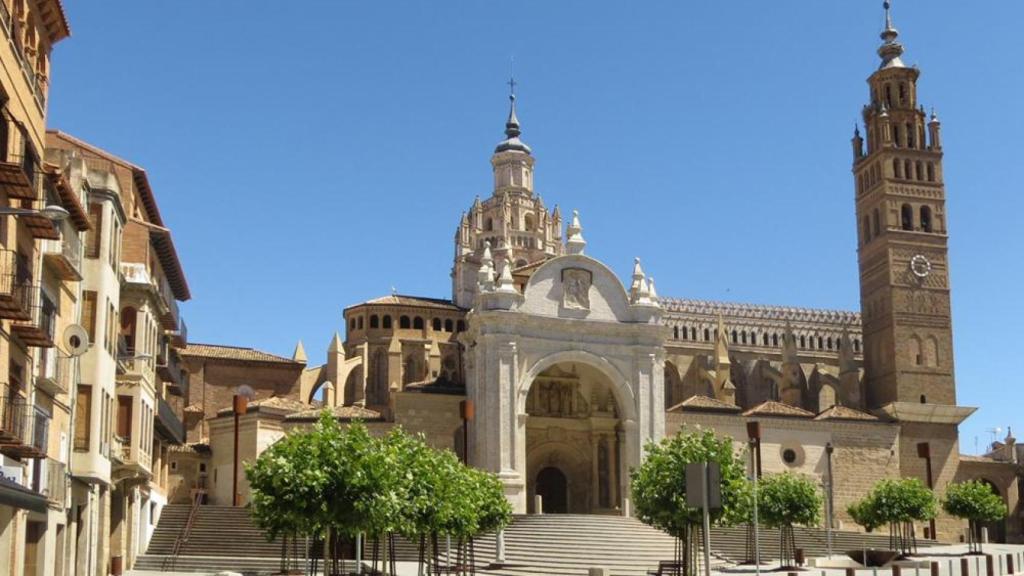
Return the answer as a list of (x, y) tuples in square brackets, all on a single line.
[(547, 369)]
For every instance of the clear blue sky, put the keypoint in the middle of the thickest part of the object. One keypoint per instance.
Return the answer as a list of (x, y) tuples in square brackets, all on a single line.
[(309, 155)]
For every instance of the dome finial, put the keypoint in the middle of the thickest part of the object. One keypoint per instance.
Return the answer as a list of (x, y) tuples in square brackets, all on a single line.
[(891, 50), (512, 131)]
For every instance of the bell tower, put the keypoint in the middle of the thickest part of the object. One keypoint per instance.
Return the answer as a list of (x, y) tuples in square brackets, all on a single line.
[(902, 240), (513, 221)]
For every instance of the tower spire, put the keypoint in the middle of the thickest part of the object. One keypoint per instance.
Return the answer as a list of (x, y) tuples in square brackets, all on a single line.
[(512, 131), (890, 50)]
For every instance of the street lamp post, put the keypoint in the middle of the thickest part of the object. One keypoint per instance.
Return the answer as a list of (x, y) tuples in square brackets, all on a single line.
[(52, 212), (754, 439), (239, 406), (828, 501)]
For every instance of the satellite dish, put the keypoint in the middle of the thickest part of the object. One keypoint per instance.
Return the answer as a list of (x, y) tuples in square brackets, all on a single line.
[(76, 340)]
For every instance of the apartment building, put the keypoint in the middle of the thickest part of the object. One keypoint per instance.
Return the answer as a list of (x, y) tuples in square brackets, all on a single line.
[(40, 259), (127, 417)]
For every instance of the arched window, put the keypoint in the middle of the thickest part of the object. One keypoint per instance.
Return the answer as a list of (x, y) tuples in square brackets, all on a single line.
[(693, 333), (359, 323), (448, 325), (775, 340), (903, 94), (897, 170), (387, 322), (908, 169), (351, 324), (867, 229), (896, 136), (803, 342), (528, 223), (675, 332), (460, 326), (856, 345), (404, 323), (417, 323), (744, 337), (888, 96), (829, 341), (877, 227), (926, 218), (907, 217), (924, 399), (488, 224), (734, 337), (910, 136), (821, 342), (707, 335), (765, 339), (914, 350), (918, 170), (374, 321), (931, 172), (436, 324)]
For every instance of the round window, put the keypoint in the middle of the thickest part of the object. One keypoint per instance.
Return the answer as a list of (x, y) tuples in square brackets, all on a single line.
[(789, 456)]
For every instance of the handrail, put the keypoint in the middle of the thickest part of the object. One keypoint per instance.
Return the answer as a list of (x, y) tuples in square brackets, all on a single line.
[(186, 532)]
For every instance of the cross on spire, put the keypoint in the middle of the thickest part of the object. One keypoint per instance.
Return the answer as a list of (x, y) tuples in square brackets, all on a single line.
[(512, 86)]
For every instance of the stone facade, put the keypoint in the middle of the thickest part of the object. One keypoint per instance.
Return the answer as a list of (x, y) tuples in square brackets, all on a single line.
[(570, 371)]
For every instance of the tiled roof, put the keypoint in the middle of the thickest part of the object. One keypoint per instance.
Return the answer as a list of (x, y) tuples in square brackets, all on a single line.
[(981, 459), (845, 413), (417, 301), (234, 353), (700, 402), (773, 408), (761, 312), (273, 404), (340, 412)]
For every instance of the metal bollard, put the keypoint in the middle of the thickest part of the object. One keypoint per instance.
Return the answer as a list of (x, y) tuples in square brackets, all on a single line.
[(851, 572), (1009, 563), (935, 569), (896, 571), (990, 568), (965, 567), (538, 504), (597, 572)]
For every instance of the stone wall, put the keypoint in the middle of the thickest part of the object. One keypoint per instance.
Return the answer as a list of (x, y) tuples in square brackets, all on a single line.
[(864, 452)]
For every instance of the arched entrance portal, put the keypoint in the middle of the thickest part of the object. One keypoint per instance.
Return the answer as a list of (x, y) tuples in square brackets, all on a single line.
[(553, 488), (573, 438)]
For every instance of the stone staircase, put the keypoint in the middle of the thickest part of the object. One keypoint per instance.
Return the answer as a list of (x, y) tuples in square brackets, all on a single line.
[(224, 538)]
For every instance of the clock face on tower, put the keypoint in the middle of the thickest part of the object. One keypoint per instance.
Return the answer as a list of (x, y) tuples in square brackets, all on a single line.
[(920, 266)]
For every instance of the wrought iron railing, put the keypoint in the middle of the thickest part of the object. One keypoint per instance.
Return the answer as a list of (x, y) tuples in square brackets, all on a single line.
[(15, 38), (13, 415), (54, 371), (41, 325)]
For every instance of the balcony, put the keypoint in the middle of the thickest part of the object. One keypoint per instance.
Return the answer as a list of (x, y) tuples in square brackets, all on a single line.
[(38, 330), (19, 167), (137, 275), (168, 368), (54, 372), (117, 448), (64, 256), (168, 423), (15, 280), (26, 69), (179, 337), (55, 481), (24, 429), (44, 194), (132, 460)]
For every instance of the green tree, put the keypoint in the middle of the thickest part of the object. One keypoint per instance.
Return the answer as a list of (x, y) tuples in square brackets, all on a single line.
[(659, 487), (786, 500), (288, 483), (975, 502), (897, 503)]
